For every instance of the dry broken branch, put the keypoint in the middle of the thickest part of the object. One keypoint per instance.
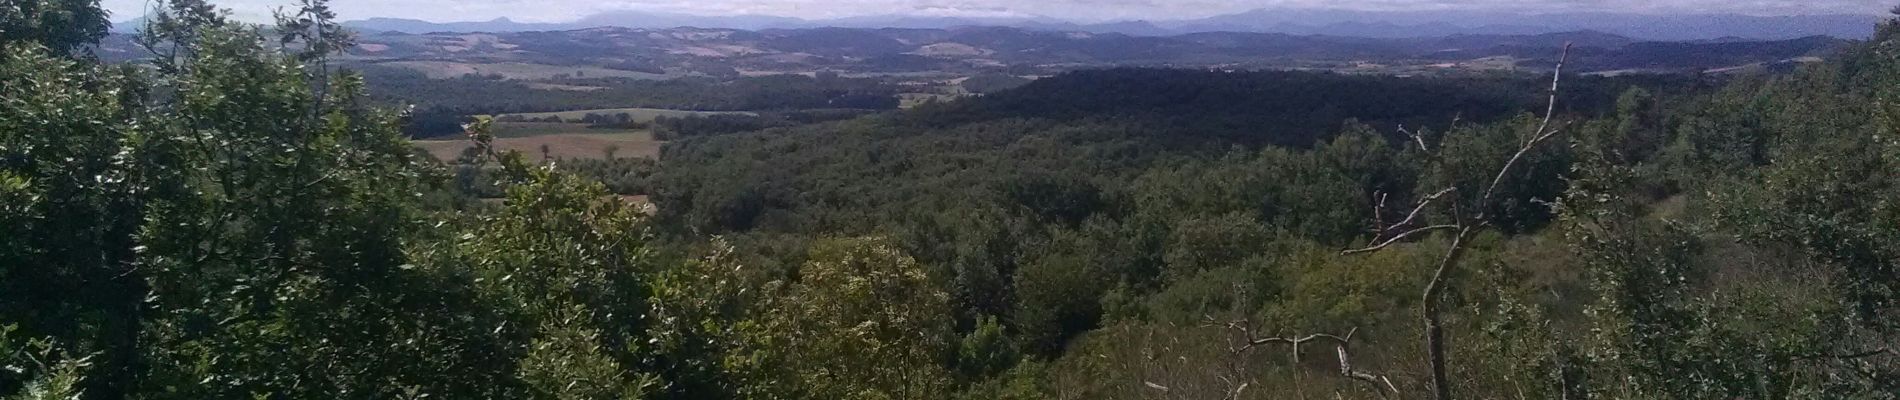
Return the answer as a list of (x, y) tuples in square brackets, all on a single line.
[(1398, 238), (1380, 383), (1416, 138), (1378, 213), (1434, 325), (1417, 210), (1299, 340), (1543, 129), (1385, 236), (1345, 368)]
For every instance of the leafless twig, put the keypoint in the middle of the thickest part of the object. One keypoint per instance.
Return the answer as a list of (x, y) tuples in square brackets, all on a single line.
[(1543, 128), (1416, 138), (1389, 234), (1342, 343), (1397, 238), (1419, 209)]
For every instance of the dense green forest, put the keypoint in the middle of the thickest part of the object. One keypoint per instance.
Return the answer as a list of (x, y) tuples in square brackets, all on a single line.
[(238, 219)]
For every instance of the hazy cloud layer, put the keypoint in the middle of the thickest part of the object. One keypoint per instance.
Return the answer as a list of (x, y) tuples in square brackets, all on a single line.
[(1084, 10)]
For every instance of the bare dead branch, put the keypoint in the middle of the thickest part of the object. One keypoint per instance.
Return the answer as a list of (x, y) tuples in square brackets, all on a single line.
[(1378, 213), (1383, 235), (1299, 387), (1155, 386), (1543, 129), (1556, 76), (1416, 138), (1418, 209), (1342, 343), (1434, 333), (1345, 368), (1298, 340), (1397, 238), (1466, 227)]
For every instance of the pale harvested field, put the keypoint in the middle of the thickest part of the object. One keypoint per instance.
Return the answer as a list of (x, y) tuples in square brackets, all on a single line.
[(567, 140), (526, 129), (519, 71), (560, 145), (638, 114)]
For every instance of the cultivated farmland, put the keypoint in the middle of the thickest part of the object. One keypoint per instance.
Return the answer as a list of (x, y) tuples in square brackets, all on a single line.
[(562, 141), (637, 114), (519, 71)]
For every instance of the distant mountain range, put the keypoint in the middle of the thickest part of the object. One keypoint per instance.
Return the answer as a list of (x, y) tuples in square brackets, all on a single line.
[(967, 51), (1367, 24)]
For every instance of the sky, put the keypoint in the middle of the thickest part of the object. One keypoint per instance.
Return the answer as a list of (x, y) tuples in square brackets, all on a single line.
[(1076, 10)]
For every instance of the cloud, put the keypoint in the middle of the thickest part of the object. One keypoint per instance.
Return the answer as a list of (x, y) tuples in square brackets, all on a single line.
[(1087, 10)]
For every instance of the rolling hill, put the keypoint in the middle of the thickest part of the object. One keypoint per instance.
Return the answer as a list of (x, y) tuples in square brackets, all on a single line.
[(674, 52), (1331, 22)]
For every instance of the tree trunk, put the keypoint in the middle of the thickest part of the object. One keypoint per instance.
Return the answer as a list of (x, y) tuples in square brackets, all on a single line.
[(1434, 332)]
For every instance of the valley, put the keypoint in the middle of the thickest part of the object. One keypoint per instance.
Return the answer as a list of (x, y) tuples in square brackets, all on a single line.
[(610, 52), (963, 201)]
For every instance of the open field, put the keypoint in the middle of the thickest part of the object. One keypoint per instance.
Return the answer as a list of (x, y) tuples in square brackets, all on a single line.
[(526, 129), (568, 140), (517, 70), (571, 88), (638, 114), (560, 145), (910, 100)]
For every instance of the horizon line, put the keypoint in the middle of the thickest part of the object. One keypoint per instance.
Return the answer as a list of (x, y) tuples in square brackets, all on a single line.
[(1086, 21)]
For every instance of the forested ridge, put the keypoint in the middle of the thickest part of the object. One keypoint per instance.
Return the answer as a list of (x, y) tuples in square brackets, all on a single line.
[(239, 219)]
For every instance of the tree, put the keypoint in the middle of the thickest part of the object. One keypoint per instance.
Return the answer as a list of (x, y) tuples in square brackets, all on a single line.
[(1058, 297), (241, 234), (861, 321), (1467, 219), (48, 375), (74, 206), (58, 25), (1700, 307), (986, 351), (567, 362)]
